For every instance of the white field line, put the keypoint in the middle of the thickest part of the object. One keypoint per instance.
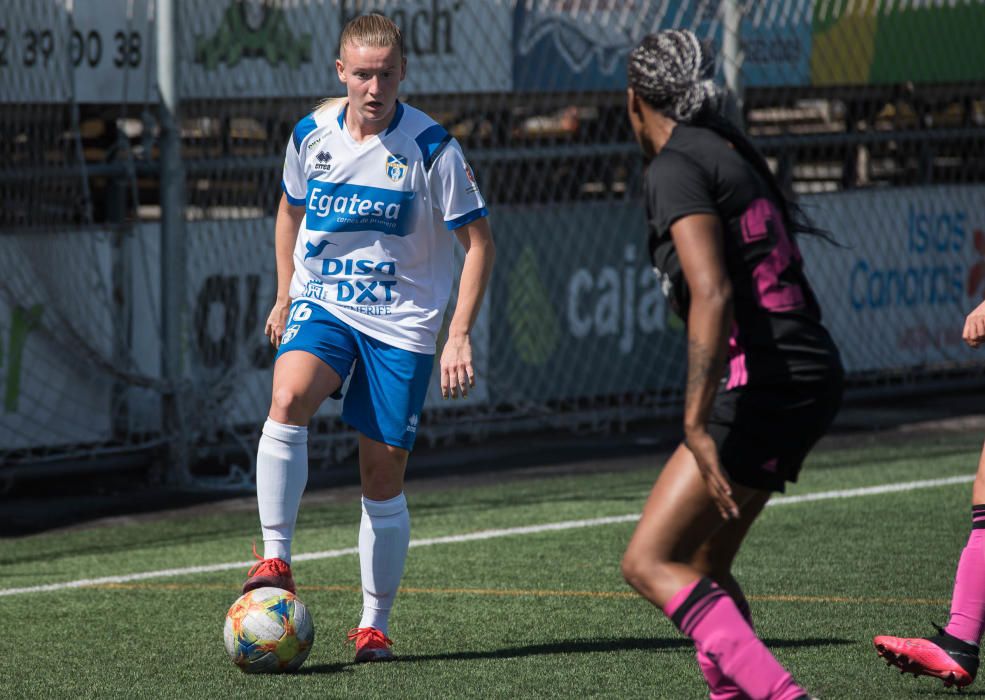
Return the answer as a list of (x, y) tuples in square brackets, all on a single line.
[(483, 535)]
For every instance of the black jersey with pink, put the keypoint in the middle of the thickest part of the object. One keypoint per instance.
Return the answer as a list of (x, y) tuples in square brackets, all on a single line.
[(777, 335)]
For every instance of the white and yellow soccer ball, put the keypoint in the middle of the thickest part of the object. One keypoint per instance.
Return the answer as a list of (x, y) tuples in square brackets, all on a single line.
[(268, 630)]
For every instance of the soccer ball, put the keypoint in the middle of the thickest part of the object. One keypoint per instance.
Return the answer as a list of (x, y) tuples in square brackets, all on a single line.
[(268, 630)]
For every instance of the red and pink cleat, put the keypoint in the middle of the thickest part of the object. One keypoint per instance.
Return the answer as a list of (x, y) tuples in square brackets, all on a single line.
[(953, 661), (270, 572), (371, 644)]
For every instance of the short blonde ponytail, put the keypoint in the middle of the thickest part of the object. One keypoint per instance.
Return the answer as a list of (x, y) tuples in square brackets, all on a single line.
[(373, 30)]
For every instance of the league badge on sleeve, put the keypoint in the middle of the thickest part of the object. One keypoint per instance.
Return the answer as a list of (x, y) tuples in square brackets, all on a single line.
[(396, 167), (473, 185)]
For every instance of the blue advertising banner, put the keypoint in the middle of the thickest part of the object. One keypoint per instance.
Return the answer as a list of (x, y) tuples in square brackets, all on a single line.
[(583, 46), (776, 43), (911, 266)]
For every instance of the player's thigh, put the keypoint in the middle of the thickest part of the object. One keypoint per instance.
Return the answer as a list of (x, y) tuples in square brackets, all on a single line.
[(302, 382), (315, 356), (680, 517), (715, 556)]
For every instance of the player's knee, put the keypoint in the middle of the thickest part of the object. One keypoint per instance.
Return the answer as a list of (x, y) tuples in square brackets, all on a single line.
[(288, 404), (382, 487), (383, 473), (640, 569), (630, 569)]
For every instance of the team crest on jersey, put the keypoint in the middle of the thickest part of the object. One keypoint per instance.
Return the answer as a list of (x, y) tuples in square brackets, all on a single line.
[(289, 334), (323, 161), (396, 167)]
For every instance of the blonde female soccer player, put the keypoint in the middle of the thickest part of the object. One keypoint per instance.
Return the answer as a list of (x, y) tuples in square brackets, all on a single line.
[(720, 237), (375, 194)]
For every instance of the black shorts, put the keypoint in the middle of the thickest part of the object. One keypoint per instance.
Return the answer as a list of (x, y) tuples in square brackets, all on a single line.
[(764, 433)]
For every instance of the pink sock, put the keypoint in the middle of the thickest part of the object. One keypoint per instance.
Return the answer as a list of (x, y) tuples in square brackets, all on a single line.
[(720, 686), (706, 614), (967, 619)]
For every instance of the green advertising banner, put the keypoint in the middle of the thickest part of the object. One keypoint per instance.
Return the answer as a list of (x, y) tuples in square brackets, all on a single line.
[(576, 310)]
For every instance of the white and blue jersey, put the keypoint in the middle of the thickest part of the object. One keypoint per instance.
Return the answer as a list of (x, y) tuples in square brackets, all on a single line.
[(375, 248)]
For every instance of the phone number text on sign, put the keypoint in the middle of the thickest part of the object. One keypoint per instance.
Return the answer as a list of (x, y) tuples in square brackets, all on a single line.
[(101, 51), (37, 47)]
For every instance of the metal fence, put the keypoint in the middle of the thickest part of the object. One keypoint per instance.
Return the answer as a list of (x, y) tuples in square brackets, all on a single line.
[(141, 145)]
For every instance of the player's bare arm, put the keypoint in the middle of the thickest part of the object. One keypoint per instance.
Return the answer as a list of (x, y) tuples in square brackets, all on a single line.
[(700, 247), (974, 327), (285, 237), (457, 371)]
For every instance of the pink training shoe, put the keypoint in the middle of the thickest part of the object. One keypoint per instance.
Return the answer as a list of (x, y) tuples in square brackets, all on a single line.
[(371, 644), (942, 656)]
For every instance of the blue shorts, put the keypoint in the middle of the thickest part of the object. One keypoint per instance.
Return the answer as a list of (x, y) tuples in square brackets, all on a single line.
[(388, 384)]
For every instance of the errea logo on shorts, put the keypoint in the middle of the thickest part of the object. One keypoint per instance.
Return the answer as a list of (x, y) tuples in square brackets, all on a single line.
[(412, 423), (336, 207)]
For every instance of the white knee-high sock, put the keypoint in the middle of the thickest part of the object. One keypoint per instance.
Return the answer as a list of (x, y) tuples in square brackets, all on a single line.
[(282, 473), (384, 536)]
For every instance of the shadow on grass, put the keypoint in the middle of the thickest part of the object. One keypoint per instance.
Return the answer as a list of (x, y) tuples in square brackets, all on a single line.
[(324, 669), (588, 646)]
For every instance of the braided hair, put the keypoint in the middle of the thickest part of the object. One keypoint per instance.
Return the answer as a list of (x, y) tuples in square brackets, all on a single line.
[(672, 72)]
